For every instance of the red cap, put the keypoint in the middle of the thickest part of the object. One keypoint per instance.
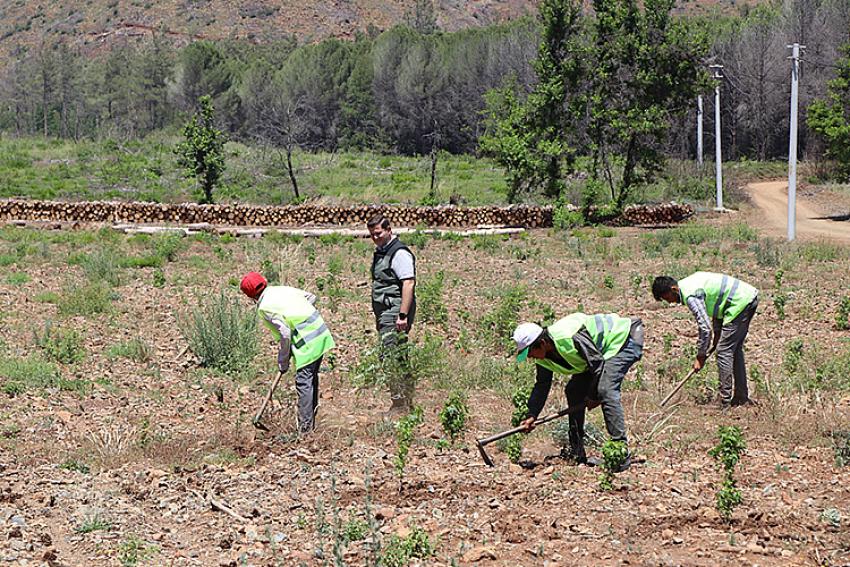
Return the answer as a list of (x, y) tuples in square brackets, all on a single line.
[(253, 284)]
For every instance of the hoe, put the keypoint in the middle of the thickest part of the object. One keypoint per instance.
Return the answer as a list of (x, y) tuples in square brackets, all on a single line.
[(487, 440), (683, 381), (256, 421)]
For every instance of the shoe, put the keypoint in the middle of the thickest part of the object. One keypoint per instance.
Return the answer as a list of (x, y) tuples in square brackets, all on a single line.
[(744, 402), (724, 406), (573, 458), (625, 465)]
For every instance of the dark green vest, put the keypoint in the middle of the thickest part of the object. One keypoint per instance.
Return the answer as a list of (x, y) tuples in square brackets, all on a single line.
[(386, 287)]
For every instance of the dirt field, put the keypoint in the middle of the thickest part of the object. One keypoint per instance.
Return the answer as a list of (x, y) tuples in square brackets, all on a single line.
[(113, 461)]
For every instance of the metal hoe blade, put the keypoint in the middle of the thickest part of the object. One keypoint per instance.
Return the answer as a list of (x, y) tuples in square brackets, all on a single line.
[(487, 460)]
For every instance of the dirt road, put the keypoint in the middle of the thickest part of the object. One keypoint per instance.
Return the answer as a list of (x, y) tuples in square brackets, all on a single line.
[(771, 200)]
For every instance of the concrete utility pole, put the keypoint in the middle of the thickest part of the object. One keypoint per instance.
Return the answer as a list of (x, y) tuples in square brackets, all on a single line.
[(792, 142), (718, 154), (699, 131)]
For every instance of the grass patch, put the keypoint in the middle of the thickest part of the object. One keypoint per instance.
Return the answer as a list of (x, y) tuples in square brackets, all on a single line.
[(17, 278), (136, 350), (20, 375), (87, 299), (60, 345)]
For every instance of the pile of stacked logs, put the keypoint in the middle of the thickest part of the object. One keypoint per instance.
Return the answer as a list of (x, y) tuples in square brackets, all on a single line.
[(300, 215)]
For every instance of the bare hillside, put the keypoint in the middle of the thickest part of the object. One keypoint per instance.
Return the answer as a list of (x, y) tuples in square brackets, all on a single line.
[(96, 24)]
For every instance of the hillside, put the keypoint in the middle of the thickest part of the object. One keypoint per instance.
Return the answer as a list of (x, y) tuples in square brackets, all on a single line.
[(96, 24)]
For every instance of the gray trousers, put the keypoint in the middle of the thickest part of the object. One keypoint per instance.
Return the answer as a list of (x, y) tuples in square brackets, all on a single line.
[(307, 388), (401, 387), (581, 387), (731, 367), (610, 383)]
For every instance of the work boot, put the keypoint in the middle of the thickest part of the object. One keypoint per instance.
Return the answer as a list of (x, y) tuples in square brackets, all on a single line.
[(626, 464), (574, 456)]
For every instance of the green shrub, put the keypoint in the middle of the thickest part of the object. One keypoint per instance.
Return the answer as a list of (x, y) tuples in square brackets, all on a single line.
[(88, 299), (500, 322), (158, 278), (614, 454), (46, 297), (135, 349), (34, 373), (404, 435), (841, 448), (820, 252), (399, 551), (430, 307), (454, 415), (60, 345), (728, 451), (103, 265), (407, 361), (146, 261), (167, 246), (222, 334), (92, 524), (17, 278), (768, 253), (564, 219), (793, 356), (133, 550), (842, 317)]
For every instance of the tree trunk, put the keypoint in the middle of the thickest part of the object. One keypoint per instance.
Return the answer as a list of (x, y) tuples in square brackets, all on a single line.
[(291, 171)]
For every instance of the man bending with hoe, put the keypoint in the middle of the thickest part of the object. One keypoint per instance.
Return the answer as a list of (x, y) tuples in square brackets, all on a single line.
[(301, 333), (730, 304), (596, 351)]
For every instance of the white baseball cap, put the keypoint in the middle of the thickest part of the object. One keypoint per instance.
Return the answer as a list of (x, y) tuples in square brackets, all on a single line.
[(524, 336)]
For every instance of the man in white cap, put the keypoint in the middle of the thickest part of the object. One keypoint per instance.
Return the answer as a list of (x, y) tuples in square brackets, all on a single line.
[(596, 351)]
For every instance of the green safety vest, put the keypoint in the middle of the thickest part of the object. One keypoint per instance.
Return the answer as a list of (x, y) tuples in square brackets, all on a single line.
[(386, 287), (725, 297), (609, 331), (310, 336), (562, 332)]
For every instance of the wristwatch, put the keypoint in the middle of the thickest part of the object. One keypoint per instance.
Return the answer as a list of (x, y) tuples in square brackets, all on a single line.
[(402, 316)]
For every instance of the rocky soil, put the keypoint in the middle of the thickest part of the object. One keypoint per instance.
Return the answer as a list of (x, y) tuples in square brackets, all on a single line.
[(156, 463)]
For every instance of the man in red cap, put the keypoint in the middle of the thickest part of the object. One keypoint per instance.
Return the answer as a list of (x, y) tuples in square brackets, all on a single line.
[(298, 326)]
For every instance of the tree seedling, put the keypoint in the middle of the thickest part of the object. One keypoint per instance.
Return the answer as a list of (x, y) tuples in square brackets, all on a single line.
[(404, 434), (614, 454), (727, 453), (454, 415)]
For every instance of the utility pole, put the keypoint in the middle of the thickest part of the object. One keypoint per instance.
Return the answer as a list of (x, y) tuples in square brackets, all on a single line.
[(792, 142), (699, 131), (718, 154)]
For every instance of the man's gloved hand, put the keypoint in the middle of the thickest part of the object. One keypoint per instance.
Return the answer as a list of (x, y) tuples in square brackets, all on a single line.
[(590, 404), (528, 424)]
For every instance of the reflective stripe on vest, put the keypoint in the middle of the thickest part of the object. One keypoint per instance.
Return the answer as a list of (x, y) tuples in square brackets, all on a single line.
[(562, 332), (310, 336), (609, 332), (725, 297)]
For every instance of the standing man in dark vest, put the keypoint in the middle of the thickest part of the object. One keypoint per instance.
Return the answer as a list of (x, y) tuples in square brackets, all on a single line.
[(393, 302)]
